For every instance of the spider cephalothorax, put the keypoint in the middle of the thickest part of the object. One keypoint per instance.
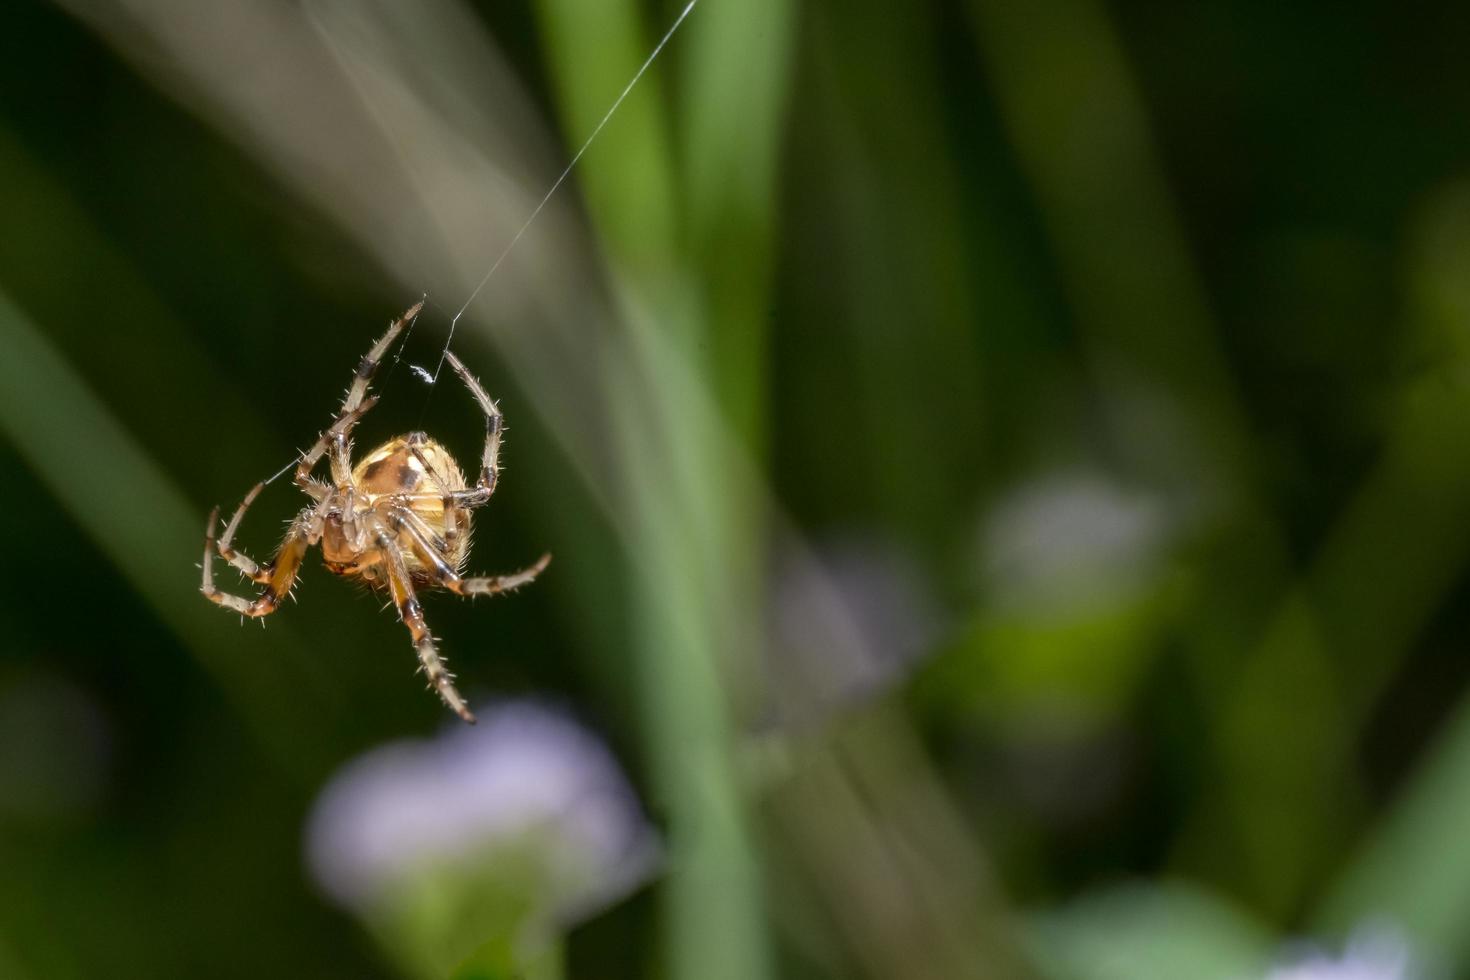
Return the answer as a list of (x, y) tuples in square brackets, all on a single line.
[(399, 520)]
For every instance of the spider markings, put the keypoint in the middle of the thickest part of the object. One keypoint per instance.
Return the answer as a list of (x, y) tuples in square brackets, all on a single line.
[(399, 520)]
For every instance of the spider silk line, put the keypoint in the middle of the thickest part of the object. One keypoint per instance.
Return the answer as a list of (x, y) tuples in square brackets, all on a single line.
[(561, 179), (433, 380)]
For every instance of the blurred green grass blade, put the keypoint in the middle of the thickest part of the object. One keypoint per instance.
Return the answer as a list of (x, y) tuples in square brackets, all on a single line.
[(1412, 518), (1414, 872), (692, 586), (627, 174), (713, 908), (51, 228), (733, 91), (881, 266), (1411, 515), (1083, 137), (146, 527), (1280, 740), (1149, 932)]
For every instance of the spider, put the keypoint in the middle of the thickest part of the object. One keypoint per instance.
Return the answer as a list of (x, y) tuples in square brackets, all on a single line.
[(399, 520)]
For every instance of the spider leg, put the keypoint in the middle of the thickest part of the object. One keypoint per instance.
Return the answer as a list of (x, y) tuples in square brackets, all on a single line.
[(356, 529), (340, 428), (247, 566), (496, 584), (399, 513), (490, 457), (453, 502), (283, 567), (370, 361), (412, 615), (357, 395), (421, 541)]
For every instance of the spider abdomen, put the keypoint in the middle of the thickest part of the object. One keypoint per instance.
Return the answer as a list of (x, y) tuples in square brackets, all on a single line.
[(412, 464), (404, 482)]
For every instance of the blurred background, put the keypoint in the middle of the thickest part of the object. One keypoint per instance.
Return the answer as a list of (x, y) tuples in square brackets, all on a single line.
[(1006, 467)]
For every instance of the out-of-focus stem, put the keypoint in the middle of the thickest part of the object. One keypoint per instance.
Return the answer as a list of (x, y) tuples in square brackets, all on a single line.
[(693, 551)]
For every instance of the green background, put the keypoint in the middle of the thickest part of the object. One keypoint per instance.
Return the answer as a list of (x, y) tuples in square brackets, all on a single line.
[(1102, 371)]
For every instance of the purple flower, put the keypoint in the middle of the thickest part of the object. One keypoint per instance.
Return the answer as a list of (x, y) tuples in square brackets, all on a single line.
[(528, 801)]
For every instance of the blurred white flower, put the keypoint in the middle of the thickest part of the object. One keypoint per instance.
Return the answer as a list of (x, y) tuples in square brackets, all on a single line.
[(1079, 580), (1070, 536), (527, 796), (1372, 954)]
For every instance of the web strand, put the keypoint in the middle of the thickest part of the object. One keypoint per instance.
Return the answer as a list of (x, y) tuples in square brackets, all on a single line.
[(561, 179), (432, 380)]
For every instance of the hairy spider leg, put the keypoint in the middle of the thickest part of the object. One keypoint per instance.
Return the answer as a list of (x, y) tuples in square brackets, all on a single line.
[(457, 501), (453, 503), (357, 392), (402, 508), (247, 565), (279, 574), (490, 456), (343, 424), (382, 532), (305, 530), (421, 540), (412, 614), (357, 532)]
